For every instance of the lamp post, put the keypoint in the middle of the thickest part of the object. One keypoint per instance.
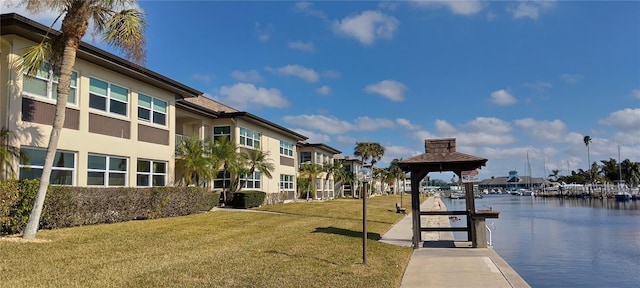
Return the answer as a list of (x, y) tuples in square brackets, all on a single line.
[(364, 175)]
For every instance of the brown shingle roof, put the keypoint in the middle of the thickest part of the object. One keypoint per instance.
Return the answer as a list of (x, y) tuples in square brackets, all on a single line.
[(210, 104), (440, 154)]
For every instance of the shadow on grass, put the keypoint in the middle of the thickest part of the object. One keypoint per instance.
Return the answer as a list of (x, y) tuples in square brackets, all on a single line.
[(346, 232), (301, 256), (330, 217)]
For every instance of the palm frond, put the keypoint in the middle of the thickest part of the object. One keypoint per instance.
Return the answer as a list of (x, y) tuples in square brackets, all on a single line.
[(33, 57), (125, 31)]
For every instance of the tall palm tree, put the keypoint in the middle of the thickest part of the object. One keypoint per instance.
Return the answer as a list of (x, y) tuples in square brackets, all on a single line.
[(369, 150), (587, 141), (331, 168), (121, 27), (192, 158), (311, 172), (225, 153), (610, 169), (8, 154), (257, 160), (555, 174)]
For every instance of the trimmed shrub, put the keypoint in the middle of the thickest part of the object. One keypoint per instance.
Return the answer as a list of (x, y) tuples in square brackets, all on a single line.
[(248, 199), (67, 206)]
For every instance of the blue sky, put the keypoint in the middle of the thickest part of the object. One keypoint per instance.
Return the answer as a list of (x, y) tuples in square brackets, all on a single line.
[(506, 78)]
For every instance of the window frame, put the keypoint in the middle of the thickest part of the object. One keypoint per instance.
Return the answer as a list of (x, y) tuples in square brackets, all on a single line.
[(108, 98), (108, 171), (287, 182), (51, 81), (247, 135), (219, 135), (151, 173), (253, 180), (152, 111), (54, 168), (286, 149)]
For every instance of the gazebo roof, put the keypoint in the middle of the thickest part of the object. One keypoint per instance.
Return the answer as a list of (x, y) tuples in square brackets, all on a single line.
[(441, 155)]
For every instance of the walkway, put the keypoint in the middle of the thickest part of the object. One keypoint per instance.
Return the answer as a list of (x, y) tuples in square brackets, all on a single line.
[(441, 262)]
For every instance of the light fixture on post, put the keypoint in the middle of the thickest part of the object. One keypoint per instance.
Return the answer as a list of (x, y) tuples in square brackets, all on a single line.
[(364, 175)]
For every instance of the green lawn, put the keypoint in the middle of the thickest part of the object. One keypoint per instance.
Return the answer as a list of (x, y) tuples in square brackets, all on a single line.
[(310, 244)]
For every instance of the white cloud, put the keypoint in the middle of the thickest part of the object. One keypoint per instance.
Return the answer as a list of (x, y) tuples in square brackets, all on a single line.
[(307, 8), (201, 77), (251, 76), (552, 131), (367, 27), (483, 139), (390, 89), (244, 95), (329, 125), (330, 74), (407, 124), (531, 9), (626, 120), (264, 31), (488, 125), (372, 124), (469, 7), (444, 127), (348, 140), (422, 135), (571, 78), (302, 46), (538, 85), (314, 137), (324, 90), (636, 93), (301, 72), (396, 152), (502, 98)]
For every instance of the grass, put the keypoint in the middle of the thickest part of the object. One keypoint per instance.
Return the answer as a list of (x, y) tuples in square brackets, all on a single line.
[(310, 244)]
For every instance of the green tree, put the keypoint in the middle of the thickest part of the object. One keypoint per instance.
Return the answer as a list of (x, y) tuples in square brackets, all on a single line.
[(555, 175), (192, 158), (369, 151), (121, 28), (225, 155), (587, 140), (610, 169), (8, 154), (331, 168), (311, 172), (257, 160)]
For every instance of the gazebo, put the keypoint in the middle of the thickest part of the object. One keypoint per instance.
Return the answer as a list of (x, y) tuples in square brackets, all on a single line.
[(441, 156)]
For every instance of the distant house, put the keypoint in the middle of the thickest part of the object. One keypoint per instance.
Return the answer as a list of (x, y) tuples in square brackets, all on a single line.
[(350, 165), (512, 182), (318, 153)]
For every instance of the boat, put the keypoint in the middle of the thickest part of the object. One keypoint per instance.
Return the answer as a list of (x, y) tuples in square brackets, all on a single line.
[(456, 195), (623, 196)]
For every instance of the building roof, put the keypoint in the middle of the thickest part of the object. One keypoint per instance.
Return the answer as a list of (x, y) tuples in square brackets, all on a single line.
[(13, 23), (441, 155), (504, 181), (208, 103), (321, 146), (261, 122)]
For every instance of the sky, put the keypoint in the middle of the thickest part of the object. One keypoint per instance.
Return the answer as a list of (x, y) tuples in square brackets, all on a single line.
[(510, 80)]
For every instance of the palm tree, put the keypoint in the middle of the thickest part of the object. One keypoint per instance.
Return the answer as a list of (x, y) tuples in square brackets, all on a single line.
[(331, 168), (225, 153), (311, 172), (369, 150), (555, 175), (610, 169), (123, 29), (257, 160), (630, 172), (587, 141), (8, 154), (194, 161)]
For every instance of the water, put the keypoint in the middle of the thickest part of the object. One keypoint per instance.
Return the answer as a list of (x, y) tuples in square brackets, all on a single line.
[(565, 243)]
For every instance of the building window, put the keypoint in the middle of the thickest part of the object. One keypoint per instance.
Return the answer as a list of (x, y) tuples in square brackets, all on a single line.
[(319, 184), (223, 180), (108, 97), (106, 171), (252, 181), (221, 132), (286, 182), (45, 84), (62, 173), (152, 109), (305, 157), (249, 138), (151, 173), (286, 148)]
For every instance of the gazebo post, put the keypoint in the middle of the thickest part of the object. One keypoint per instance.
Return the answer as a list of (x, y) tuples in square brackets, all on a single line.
[(416, 176)]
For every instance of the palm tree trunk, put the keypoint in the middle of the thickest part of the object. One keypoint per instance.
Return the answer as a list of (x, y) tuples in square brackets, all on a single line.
[(68, 60)]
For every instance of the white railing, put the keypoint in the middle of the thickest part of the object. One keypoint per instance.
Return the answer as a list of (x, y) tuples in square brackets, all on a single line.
[(489, 240)]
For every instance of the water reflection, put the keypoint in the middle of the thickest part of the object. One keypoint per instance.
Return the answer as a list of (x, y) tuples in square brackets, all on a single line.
[(555, 242)]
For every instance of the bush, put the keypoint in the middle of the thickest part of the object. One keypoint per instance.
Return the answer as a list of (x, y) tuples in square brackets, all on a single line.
[(67, 206), (248, 199), (16, 200)]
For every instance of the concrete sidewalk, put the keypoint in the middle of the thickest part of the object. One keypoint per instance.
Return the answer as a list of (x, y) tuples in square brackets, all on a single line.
[(442, 262)]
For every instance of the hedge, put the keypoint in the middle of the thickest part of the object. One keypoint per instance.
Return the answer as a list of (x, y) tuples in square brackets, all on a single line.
[(248, 199), (67, 206)]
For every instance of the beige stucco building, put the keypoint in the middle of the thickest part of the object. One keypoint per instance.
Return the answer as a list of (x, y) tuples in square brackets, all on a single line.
[(123, 122)]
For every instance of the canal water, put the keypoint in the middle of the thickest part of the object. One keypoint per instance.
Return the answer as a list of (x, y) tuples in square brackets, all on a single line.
[(554, 242)]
